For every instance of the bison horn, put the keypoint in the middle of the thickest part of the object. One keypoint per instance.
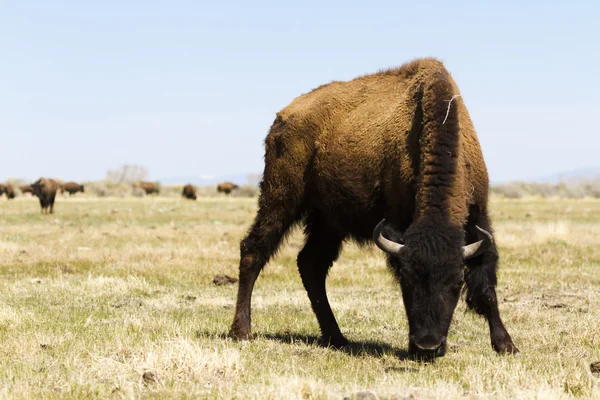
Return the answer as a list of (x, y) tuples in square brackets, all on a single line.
[(479, 247), (384, 244)]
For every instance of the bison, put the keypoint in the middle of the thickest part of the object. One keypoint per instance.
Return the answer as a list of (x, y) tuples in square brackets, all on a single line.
[(149, 187), (393, 158), (8, 190), (226, 187), (26, 189), (71, 188), (189, 192), (45, 189)]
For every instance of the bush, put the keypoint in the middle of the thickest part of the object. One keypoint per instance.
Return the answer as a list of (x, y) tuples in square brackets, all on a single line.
[(171, 190), (138, 192), (569, 190), (245, 191), (127, 173), (107, 189), (544, 190), (572, 191), (512, 190)]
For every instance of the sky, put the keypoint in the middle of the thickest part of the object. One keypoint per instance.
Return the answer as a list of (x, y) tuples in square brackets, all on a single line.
[(190, 88)]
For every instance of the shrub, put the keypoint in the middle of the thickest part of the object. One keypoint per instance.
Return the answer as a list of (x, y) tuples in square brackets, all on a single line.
[(595, 192), (171, 190), (572, 190), (512, 190), (138, 192), (107, 189), (245, 191), (545, 190)]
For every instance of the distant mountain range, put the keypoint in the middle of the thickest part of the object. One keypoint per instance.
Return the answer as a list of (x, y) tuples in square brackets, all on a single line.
[(575, 175)]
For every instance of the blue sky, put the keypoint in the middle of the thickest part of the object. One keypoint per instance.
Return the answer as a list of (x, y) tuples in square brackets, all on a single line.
[(190, 88)]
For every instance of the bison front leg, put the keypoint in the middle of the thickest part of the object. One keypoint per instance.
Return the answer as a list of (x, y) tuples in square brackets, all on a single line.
[(320, 251), (42, 206), (251, 263), (480, 279)]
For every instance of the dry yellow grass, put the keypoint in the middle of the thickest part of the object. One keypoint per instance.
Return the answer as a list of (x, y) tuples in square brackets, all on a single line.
[(114, 298)]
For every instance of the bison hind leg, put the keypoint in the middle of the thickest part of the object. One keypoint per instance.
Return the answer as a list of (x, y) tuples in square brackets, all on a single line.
[(282, 203), (261, 243)]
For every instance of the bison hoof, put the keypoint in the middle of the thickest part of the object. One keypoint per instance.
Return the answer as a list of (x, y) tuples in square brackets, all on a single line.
[(335, 342), (240, 334), (505, 348)]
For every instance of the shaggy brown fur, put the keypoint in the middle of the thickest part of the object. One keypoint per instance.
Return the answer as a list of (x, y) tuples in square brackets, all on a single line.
[(8, 190), (71, 188), (348, 154), (26, 189), (189, 192), (149, 187), (45, 189), (226, 187)]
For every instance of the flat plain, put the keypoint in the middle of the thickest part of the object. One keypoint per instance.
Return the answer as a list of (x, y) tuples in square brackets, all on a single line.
[(114, 298)]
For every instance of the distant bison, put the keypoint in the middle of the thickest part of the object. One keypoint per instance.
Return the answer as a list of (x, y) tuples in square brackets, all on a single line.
[(189, 192), (226, 187), (26, 189), (8, 190), (71, 188), (45, 189), (149, 187)]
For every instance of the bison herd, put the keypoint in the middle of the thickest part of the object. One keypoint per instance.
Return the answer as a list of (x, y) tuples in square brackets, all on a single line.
[(390, 158), (45, 190)]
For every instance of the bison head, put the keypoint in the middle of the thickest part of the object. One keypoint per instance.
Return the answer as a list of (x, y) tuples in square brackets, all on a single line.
[(36, 187), (428, 261)]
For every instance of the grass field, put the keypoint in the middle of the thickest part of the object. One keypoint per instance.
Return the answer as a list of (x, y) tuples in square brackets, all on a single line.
[(113, 298)]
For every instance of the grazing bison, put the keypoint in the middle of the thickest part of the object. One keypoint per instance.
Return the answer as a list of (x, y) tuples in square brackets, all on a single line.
[(26, 189), (226, 187), (8, 190), (71, 188), (189, 192), (391, 157), (45, 189), (149, 187)]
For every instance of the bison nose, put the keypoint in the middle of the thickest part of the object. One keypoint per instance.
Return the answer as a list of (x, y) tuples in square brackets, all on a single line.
[(430, 341)]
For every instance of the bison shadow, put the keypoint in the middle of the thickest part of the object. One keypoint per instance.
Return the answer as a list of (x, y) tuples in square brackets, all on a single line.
[(354, 348), (358, 348)]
